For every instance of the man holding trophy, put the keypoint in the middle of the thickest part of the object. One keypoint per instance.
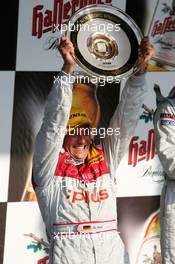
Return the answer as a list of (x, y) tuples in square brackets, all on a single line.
[(74, 178)]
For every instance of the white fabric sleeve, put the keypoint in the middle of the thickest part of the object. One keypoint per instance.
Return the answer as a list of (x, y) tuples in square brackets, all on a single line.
[(125, 118), (164, 123), (51, 135)]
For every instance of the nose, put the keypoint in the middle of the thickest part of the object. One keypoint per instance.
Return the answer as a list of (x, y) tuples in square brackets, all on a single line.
[(81, 139)]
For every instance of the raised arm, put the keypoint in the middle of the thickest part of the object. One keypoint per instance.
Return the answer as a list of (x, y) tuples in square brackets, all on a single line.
[(51, 135), (127, 114), (164, 125)]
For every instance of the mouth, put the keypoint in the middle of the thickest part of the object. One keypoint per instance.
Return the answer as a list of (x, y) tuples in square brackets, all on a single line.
[(80, 147), (79, 151)]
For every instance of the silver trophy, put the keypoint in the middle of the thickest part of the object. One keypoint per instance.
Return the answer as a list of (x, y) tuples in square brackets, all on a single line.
[(106, 41)]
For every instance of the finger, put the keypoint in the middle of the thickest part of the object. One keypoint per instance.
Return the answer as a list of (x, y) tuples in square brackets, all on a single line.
[(146, 50), (146, 44), (68, 42), (64, 41), (70, 45), (73, 55), (64, 38), (66, 45), (62, 44), (145, 39)]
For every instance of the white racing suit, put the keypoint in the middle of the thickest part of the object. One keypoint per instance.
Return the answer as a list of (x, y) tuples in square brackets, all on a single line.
[(78, 203), (164, 124)]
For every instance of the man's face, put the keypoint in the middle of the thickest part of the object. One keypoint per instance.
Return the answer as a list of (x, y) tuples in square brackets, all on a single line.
[(77, 142)]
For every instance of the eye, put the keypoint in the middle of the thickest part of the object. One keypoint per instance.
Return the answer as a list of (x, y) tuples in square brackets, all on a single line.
[(87, 133), (74, 136)]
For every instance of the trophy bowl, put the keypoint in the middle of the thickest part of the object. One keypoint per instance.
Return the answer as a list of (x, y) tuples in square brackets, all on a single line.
[(105, 40)]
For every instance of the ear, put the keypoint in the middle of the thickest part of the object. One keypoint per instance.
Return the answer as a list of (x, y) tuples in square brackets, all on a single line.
[(172, 93)]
